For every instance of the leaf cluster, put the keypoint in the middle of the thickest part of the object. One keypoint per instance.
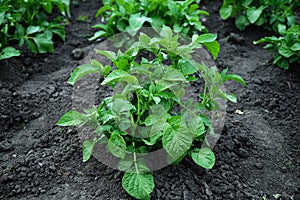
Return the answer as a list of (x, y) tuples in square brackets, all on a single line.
[(287, 45), (25, 22), (275, 15), (140, 117), (131, 15), (269, 13)]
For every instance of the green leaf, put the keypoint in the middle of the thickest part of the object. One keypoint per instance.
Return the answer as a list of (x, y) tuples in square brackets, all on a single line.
[(226, 11), (213, 48), (254, 13), (285, 51), (83, 70), (246, 2), (71, 118), (281, 62), (31, 46), (294, 30), (44, 42), (156, 100), (47, 6), (166, 32), (241, 22), (137, 20), (153, 139), (9, 52), (138, 185), (234, 77), (33, 29), (124, 165), (157, 22), (97, 35), (144, 39), (87, 149), (207, 37), (122, 24), (204, 157), (117, 145), (177, 28), (173, 75), (295, 47), (119, 75), (59, 30), (187, 67), (272, 39), (102, 10), (231, 97), (109, 54), (177, 143), (281, 29)]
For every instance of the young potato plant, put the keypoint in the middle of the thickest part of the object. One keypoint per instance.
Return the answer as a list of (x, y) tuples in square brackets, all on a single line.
[(121, 16), (287, 45), (142, 115), (269, 13), (25, 22)]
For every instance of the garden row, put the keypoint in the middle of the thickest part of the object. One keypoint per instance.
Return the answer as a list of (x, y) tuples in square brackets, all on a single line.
[(26, 22)]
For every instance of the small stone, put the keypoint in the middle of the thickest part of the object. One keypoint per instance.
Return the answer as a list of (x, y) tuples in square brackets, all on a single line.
[(257, 81), (259, 165), (242, 153), (42, 191), (236, 39), (56, 94), (207, 189), (284, 169), (77, 54), (6, 146), (188, 195)]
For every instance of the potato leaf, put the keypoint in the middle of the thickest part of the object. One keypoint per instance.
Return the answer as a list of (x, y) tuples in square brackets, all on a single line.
[(226, 11), (87, 149), (204, 157), (254, 13), (117, 145), (138, 185), (82, 71), (9, 52), (71, 118)]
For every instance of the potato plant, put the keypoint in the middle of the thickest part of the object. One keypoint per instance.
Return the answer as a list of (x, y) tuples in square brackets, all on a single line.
[(141, 116), (274, 15), (120, 16), (287, 45), (25, 22), (267, 13)]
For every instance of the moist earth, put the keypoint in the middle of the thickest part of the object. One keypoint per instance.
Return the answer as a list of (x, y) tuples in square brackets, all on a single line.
[(257, 155)]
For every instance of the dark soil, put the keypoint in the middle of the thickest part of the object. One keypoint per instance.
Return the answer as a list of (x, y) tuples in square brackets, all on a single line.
[(257, 154)]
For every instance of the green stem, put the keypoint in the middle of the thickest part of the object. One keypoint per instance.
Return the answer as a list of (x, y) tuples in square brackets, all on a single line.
[(134, 158), (204, 93), (138, 108)]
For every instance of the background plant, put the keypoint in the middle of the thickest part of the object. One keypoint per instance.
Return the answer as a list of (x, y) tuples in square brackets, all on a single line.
[(25, 22), (120, 16), (274, 15), (149, 104), (287, 45)]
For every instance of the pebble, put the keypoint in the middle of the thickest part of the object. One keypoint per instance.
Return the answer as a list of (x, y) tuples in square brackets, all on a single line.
[(259, 165), (6, 146), (236, 39), (188, 195), (242, 153), (77, 54)]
